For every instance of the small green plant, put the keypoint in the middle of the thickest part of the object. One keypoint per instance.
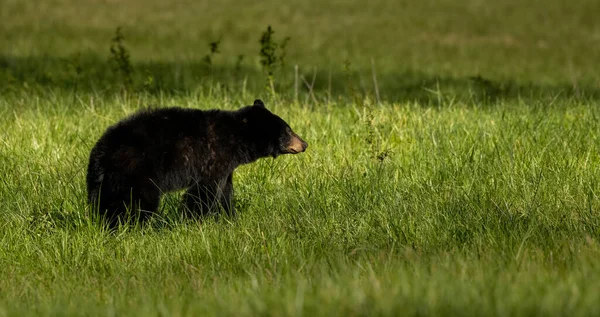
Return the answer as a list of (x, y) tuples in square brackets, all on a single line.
[(213, 50), (121, 59), (282, 51), (237, 69), (356, 96), (375, 146), (272, 55), (268, 48), (76, 71), (149, 82)]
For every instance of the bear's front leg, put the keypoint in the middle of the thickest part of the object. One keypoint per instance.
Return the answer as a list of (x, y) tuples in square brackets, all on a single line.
[(203, 199), (226, 198), (200, 199)]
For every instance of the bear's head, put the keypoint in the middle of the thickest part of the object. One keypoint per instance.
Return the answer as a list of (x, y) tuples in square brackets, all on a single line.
[(266, 134)]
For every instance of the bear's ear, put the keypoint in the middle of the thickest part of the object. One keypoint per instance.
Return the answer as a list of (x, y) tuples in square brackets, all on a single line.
[(259, 103)]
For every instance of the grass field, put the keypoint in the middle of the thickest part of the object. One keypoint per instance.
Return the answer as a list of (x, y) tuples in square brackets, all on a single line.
[(469, 187)]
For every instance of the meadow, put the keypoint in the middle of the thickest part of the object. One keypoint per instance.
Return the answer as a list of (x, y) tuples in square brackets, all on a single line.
[(453, 165)]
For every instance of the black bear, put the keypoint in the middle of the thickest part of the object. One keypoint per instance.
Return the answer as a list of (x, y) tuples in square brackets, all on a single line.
[(157, 151)]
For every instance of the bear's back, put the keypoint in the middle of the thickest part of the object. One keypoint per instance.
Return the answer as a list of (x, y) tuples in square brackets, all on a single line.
[(155, 128), (166, 144)]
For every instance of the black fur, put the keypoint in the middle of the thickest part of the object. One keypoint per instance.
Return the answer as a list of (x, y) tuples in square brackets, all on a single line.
[(157, 151)]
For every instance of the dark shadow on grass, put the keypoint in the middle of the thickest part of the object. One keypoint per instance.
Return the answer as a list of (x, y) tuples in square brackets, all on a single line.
[(94, 74), (47, 217)]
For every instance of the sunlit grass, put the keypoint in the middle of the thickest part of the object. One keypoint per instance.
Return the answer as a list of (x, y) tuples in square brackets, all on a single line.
[(473, 211)]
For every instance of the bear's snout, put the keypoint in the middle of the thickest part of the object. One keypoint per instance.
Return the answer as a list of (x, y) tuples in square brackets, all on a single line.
[(296, 144)]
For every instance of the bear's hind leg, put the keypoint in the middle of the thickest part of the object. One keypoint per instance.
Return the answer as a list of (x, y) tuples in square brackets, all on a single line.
[(109, 205), (111, 210), (129, 206), (147, 203)]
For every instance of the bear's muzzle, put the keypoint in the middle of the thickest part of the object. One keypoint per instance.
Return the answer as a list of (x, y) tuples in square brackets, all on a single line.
[(296, 144)]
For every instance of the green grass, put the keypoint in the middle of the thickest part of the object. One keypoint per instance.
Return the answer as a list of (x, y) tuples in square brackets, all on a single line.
[(452, 196)]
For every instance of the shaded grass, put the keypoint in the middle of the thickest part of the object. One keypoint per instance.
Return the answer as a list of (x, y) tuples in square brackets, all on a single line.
[(528, 50), (46, 75)]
